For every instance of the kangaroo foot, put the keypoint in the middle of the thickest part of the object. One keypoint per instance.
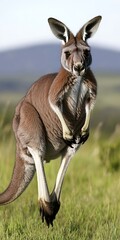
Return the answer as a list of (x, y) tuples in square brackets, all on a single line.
[(48, 211)]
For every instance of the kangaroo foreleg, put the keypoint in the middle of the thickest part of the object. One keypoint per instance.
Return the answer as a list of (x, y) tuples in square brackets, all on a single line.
[(67, 134), (56, 94)]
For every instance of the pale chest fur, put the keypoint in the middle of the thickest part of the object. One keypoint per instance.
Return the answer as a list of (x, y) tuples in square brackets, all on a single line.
[(81, 93)]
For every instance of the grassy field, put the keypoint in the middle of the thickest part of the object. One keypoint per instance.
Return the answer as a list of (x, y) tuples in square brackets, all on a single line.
[(90, 199)]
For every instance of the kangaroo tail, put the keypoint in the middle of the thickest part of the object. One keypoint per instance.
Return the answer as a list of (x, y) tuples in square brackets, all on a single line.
[(22, 175)]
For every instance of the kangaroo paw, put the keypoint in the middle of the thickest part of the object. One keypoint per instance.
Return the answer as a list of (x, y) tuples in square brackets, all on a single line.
[(71, 142), (84, 138)]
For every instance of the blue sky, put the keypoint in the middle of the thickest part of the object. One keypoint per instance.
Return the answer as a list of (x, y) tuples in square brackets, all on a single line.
[(24, 22)]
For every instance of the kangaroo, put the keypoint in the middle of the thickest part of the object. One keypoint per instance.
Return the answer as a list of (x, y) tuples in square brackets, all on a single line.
[(53, 119)]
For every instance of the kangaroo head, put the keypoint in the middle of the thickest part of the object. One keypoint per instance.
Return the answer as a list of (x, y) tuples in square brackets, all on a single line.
[(76, 56)]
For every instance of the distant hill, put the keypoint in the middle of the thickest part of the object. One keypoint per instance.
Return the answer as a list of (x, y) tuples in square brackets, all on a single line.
[(29, 63)]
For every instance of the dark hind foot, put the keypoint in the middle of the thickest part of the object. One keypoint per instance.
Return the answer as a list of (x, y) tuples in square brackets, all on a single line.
[(48, 211)]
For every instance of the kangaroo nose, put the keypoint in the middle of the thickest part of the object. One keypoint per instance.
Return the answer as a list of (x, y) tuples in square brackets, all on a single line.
[(77, 68)]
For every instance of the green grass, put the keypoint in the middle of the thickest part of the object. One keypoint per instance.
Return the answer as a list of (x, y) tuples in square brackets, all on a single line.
[(90, 200), (108, 91)]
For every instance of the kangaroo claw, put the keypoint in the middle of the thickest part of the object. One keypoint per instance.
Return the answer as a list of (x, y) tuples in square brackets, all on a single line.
[(70, 142)]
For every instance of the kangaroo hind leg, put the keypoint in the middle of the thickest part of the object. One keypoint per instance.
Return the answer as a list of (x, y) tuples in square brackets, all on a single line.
[(25, 124), (30, 133)]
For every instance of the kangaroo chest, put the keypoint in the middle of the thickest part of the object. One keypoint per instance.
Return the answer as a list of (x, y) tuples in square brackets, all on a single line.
[(78, 103), (74, 99)]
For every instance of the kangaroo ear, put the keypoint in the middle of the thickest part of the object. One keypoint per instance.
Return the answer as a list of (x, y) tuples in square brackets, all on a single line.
[(90, 28), (59, 29)]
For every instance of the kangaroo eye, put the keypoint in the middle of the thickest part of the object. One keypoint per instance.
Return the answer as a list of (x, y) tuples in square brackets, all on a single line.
[(67, 54)]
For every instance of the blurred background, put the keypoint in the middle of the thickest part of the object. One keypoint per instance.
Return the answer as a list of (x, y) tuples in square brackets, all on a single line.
[(28, 49)]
